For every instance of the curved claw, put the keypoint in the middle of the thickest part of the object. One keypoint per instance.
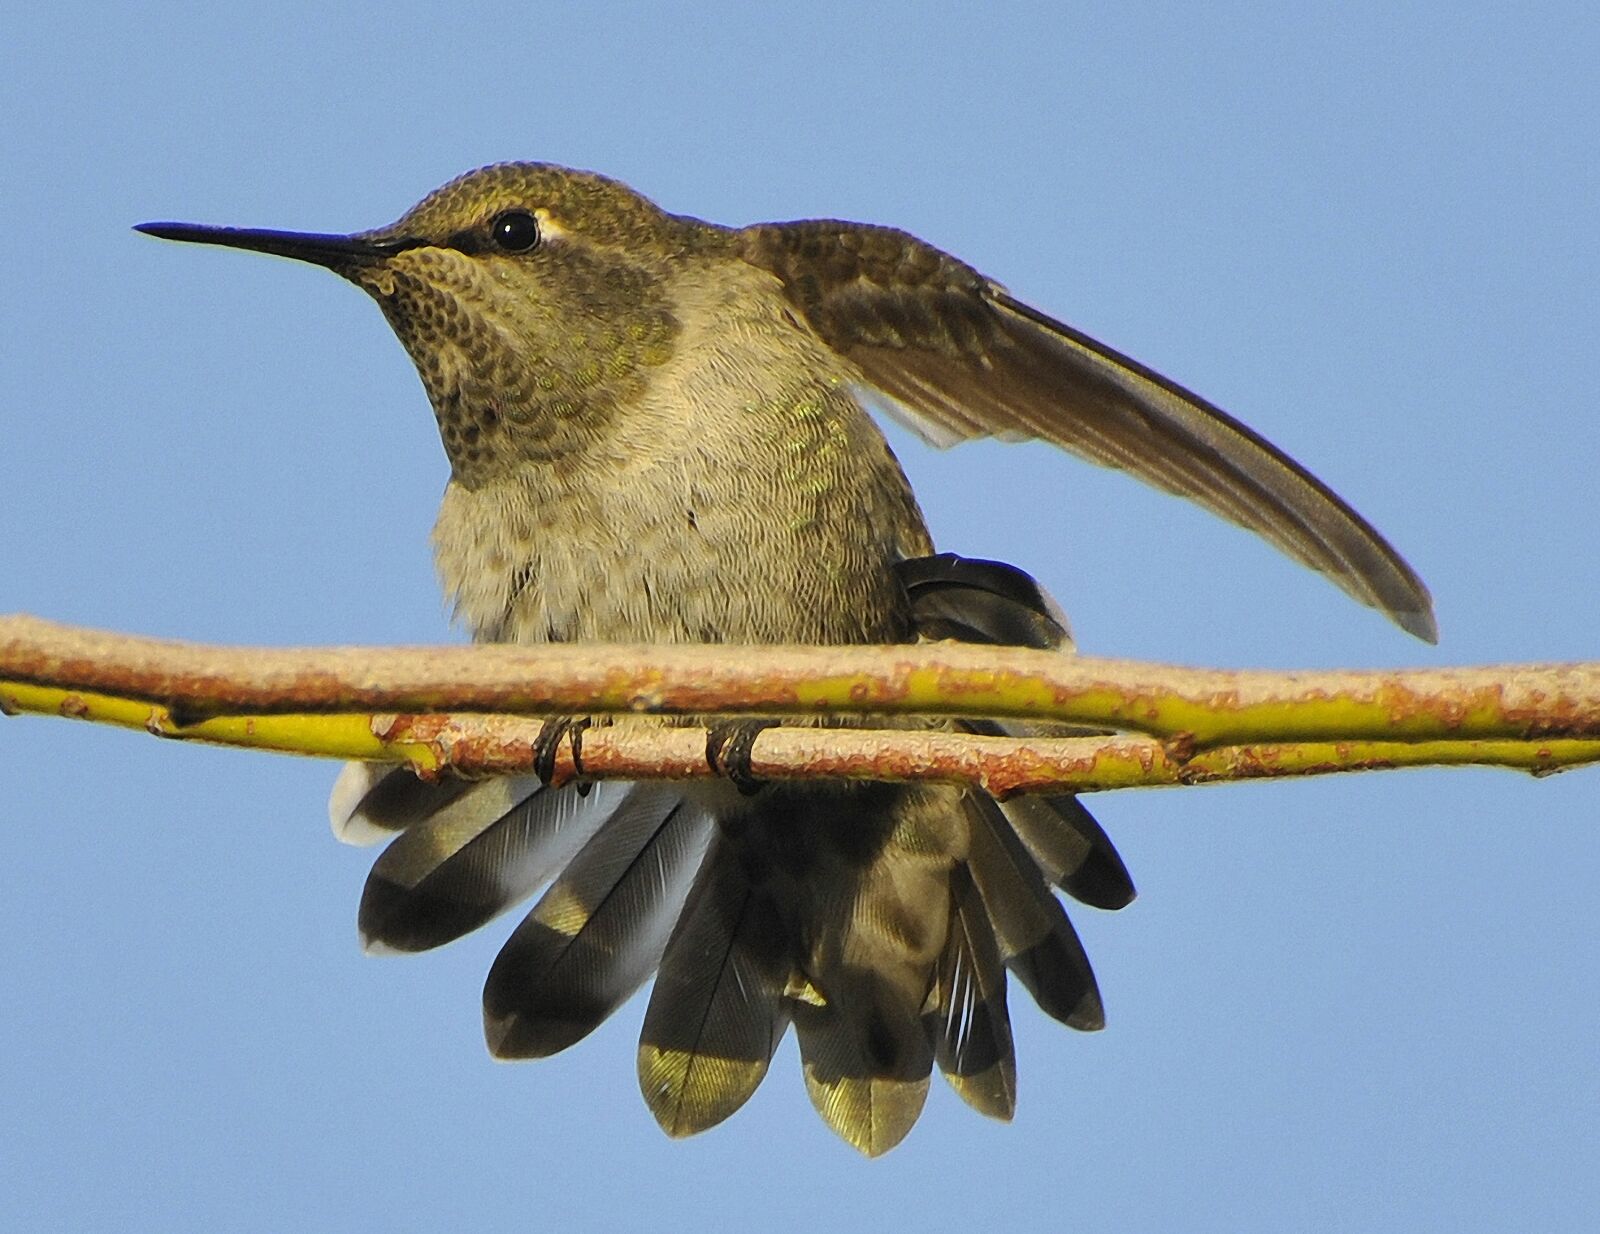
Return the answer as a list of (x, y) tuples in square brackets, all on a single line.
[(728, 748), (548, 742)]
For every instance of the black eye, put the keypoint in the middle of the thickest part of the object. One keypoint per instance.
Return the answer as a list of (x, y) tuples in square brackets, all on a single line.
[(515, 231)]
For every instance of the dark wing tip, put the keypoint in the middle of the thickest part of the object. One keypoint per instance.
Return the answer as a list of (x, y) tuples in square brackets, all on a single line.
[(974, 600), (1418, 621)]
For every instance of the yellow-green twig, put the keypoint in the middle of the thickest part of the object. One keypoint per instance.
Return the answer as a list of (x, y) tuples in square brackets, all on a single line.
[(1203, 726)]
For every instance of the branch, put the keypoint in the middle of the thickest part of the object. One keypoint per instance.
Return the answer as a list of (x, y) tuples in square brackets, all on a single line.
[(1198, 725)]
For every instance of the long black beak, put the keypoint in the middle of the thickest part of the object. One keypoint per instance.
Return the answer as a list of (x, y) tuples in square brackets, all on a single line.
[(322, 250)]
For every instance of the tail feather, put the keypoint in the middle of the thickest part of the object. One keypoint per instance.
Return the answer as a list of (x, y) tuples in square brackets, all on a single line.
[(1070, 848), (970, 1025), (600, 930), (879, 919), (372, 801), (1073, 852), (869, 1092), (717, 1011), (871, 891), (489, 847), (1036, 940)]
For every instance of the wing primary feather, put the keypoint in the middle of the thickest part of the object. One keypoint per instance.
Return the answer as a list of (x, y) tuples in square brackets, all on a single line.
[(1298, 512), (991, 601), (963, 358)]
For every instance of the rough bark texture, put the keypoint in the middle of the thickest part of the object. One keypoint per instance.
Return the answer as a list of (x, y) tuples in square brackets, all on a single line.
[(403, 705)]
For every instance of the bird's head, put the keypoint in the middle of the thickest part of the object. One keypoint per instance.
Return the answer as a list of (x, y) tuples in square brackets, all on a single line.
[(533, 299)]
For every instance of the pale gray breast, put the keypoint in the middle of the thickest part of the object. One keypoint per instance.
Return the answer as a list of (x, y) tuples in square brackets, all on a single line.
[(746, 497)]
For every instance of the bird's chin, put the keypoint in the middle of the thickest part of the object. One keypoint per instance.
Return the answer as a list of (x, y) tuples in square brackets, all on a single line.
[(377, 281)]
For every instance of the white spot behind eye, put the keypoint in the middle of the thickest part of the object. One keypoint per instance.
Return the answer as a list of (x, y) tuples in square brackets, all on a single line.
[(548, 227)]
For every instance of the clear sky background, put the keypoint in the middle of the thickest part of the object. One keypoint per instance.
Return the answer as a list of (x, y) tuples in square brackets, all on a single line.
[(1355, 1004)]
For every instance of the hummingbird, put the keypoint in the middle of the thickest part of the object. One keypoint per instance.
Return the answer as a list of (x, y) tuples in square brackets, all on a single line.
[(657, 432)]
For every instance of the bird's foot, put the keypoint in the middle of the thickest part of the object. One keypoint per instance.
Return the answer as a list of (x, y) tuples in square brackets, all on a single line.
[(548, 742), (728, 747)]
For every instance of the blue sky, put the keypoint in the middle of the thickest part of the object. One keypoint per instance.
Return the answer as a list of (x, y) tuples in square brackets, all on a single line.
[(1360, 1003)]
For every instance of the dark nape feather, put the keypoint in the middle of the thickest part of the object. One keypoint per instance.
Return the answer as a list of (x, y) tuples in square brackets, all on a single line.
[(600, 929), (1036, 940), (964, 359), (717, 1010), (976, 601), (490, 847), (969, 1023)]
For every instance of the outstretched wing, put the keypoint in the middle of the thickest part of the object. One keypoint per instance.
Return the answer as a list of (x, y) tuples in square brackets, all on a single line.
[(963, 359)]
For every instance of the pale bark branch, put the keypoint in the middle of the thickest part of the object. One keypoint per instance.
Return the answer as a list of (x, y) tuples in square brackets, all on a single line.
[(405, 705)]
